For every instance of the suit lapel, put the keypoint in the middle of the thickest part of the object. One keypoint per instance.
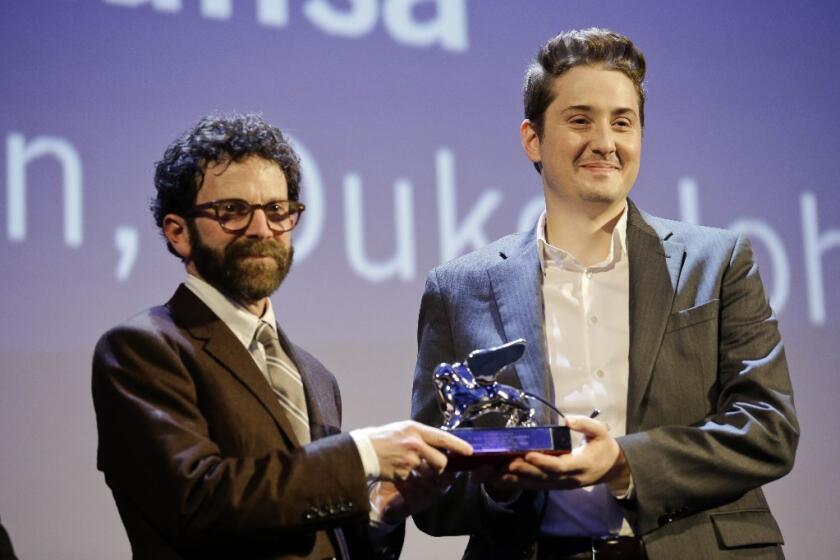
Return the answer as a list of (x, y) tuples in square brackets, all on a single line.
[(228, 351), (655, 264), (517, 289)]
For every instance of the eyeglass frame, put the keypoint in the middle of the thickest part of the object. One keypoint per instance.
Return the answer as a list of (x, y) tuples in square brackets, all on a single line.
[(295, 209)]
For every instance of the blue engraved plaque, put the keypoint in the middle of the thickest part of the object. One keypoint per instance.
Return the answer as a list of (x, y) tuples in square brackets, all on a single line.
[(498, 446)]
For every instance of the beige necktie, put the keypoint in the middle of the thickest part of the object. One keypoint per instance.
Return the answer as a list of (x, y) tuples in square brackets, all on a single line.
[(285, 380)]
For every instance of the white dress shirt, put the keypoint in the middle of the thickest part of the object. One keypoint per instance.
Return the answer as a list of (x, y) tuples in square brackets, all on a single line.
[(587, 336)]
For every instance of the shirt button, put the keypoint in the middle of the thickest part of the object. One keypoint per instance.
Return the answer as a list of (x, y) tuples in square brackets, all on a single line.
[(589, 274), (593, 319), (600, 373)]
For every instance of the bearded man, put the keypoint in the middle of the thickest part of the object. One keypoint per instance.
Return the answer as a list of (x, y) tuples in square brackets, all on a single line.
[(217, 436)]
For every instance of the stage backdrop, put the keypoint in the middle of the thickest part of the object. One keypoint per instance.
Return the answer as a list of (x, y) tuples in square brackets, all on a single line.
[(406, 115)]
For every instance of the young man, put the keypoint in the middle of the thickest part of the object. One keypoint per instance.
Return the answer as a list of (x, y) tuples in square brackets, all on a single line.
[(662, 326), (218, 437)]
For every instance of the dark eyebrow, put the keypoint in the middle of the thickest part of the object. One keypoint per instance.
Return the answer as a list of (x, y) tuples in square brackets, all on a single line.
[(583, 108), (588, 109)]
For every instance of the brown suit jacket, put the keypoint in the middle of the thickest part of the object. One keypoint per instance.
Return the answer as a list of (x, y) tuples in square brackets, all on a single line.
[(201, 458)]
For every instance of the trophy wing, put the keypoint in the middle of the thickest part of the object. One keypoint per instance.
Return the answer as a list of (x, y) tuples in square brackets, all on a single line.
[(486, 363)]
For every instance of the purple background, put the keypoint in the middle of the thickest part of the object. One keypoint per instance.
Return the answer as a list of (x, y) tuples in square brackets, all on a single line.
[(742, 101)]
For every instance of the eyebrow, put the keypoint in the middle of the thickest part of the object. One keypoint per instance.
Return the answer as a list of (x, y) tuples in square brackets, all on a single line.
[(589, 109)]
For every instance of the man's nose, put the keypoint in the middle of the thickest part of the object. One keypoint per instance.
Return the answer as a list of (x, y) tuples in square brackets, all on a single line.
[(259, 225), (602, 141)]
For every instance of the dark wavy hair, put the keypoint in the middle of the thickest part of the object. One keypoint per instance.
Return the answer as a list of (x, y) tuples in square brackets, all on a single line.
[(180, 174), (593, 46)]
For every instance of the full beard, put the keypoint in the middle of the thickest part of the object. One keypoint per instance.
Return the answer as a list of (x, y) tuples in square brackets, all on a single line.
[(232, 272)]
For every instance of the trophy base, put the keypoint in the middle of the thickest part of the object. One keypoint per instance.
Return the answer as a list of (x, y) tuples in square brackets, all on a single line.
[(499, 446)]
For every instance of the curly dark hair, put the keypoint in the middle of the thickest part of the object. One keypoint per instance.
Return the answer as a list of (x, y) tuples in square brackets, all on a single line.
[(578, 47), (180, 174)]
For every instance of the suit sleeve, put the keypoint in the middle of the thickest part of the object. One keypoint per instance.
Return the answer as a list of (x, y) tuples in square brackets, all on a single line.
[(6, 551), (464, 509), (158, 454), (750, 437)]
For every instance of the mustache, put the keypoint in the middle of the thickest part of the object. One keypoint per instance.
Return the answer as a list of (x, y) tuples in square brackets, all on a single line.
[(255, 248)]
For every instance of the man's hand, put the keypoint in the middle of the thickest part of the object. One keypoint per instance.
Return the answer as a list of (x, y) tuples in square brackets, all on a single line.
[(397, 500), (598, 460), (409, 449), (496, 487)]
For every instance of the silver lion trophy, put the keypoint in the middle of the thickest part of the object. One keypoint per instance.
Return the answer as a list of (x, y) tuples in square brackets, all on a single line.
[(468, 391)]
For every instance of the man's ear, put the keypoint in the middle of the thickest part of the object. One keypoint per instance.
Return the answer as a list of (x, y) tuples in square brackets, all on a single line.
[(178, 234), (530, 141)]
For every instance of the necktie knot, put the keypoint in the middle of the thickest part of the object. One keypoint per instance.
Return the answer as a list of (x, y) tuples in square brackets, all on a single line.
[(265, 334)]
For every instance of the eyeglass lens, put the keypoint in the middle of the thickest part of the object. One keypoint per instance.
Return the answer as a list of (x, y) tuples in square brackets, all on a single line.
[(237, 214)]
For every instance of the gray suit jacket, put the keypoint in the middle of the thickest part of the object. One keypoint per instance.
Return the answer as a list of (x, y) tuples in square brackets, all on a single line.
[(710, 414), (201, 458)]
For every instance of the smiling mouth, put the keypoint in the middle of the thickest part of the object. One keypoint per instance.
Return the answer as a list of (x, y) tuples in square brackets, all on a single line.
[(599, 167)]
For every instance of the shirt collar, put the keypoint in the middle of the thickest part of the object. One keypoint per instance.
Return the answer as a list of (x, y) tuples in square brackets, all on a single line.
[(239, 320), (564, 259)]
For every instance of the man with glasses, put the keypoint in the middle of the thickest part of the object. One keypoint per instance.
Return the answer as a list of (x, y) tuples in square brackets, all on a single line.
[(217, 436)]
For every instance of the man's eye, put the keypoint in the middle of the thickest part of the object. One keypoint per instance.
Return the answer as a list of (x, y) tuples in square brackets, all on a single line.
[(277, 212), (579, 120), (234, 208), (622, 123)]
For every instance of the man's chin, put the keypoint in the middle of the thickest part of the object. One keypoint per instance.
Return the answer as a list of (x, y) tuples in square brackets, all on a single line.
[(257, 259), (248, 266), (604, 196), (253, 292), (256, 280)]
